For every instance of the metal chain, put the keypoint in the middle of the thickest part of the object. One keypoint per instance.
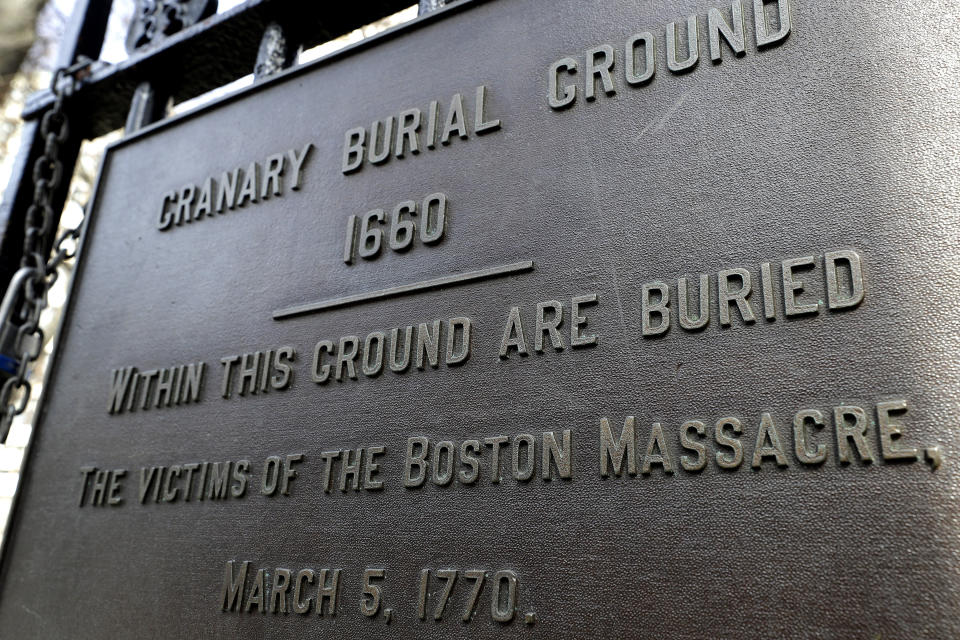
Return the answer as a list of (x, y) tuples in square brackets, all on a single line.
[(37, 275)]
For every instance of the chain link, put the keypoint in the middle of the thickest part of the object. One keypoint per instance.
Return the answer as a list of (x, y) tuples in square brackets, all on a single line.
[(37, 275)]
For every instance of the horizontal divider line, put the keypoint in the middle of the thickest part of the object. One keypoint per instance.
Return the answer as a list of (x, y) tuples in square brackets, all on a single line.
[(455, 279)]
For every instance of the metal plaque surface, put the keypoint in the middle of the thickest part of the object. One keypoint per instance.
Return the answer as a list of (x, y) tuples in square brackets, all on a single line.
[(526, 320)]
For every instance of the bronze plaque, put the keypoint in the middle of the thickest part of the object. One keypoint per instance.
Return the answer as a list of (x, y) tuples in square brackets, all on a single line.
[(527, 320)]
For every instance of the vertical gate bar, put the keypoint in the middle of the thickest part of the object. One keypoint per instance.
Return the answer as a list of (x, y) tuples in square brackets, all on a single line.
[(83, 37), (148, 105), (85, 31)]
